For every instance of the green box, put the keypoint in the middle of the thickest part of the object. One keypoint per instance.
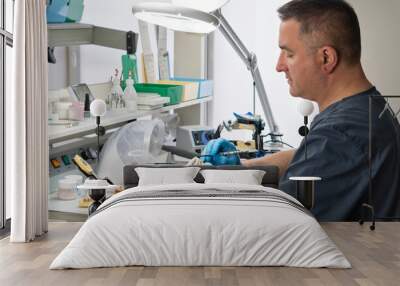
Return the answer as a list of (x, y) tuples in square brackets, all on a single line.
[(174, 92), (129, 64)]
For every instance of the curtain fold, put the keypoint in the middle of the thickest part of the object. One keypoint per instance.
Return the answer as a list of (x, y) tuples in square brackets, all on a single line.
[(27, 139)]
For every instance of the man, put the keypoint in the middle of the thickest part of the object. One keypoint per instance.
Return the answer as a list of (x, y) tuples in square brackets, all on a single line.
[(320, 55)]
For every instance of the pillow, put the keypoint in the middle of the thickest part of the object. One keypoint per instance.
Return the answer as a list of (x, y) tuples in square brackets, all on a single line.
[(166, 176), (248, 177)]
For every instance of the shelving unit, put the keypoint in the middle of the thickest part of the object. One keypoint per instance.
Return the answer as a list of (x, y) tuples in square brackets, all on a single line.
[(67, 141)]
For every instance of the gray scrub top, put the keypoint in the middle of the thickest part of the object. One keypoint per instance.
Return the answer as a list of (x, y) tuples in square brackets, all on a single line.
[(337, 151)]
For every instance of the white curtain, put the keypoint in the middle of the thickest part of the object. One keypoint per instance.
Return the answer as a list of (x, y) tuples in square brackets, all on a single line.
[(27, 143)]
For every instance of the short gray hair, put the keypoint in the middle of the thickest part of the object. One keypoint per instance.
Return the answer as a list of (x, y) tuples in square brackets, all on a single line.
[(327, 22)]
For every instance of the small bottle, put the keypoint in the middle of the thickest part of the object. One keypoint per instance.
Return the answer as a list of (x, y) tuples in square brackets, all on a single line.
[(116, 92), (130, 95), (108, 97)]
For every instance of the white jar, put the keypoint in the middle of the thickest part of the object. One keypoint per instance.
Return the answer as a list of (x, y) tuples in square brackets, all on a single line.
[(63, 114), (62, 110), (66, 189)]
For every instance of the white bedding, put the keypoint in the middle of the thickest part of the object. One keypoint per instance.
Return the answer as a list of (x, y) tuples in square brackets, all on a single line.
[(200, 231)]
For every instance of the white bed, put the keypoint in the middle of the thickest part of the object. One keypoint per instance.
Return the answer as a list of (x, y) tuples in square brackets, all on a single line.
[(267, 229)]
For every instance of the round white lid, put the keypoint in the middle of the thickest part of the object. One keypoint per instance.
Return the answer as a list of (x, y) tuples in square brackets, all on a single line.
[(77, 178), (67, 184), (96, 184)]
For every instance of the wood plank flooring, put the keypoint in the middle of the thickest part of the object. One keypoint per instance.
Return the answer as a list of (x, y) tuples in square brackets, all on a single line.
[(375, 257)]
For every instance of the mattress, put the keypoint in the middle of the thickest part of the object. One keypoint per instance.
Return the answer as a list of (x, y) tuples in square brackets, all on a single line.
[(201, 225)]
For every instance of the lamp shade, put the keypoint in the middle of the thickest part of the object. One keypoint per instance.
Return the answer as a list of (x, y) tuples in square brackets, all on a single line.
[(201, 5), (178, 18), (305, 107), (98, 107)]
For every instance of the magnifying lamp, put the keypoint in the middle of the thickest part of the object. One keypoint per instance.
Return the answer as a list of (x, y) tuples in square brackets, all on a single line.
[(98, 108), (204, 17)]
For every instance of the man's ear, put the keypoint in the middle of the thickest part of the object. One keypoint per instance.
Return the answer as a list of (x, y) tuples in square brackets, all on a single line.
[(329, 59)]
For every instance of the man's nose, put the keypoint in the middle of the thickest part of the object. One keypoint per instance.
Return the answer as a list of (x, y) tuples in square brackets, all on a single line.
[(281, 65)]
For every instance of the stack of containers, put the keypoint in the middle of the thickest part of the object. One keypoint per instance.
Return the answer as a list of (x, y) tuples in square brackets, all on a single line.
[(177, 89), (174, 92), (190, 89), (205, 86)]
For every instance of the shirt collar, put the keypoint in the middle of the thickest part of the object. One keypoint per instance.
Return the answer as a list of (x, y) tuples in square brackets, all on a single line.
[(334, 106)]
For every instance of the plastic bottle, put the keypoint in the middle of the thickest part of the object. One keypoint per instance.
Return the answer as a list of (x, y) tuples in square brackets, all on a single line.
[(116, 92), (130, 95)]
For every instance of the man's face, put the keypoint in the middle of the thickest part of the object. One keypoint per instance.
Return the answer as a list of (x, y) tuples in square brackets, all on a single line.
[(298, 62)]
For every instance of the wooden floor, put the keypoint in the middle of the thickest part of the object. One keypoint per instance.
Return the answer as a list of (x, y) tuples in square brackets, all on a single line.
[(375, 257)]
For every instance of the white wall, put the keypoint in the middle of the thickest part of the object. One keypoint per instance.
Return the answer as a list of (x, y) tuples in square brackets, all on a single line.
[(380, 23), (258, 27)]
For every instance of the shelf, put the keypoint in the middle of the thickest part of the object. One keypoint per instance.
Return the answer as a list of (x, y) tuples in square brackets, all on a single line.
[(71, 206), (75, 34), (112, 119)]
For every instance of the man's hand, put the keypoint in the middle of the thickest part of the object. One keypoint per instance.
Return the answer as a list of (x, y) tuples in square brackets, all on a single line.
[(214, 149), (281, 159)]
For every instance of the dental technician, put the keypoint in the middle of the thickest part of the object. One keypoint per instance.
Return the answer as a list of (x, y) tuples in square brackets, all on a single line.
[(320, 55)]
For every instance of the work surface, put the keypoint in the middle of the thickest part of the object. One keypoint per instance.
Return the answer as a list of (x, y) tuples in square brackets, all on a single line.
[(375, 257)]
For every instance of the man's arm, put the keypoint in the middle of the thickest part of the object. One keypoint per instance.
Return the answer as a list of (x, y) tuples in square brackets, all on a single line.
[(280, 159)]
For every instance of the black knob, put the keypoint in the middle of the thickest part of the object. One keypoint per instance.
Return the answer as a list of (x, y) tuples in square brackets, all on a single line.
[(100, 131), (303, 130)]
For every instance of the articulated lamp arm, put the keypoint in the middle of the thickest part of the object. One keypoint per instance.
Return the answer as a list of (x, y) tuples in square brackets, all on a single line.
[(250, 59)]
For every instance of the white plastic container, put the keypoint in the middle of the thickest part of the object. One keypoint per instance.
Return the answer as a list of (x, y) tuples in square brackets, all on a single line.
[(116, 93), (67, 189), (130, 95), (75, 111), (62, 110), (63, 114)]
